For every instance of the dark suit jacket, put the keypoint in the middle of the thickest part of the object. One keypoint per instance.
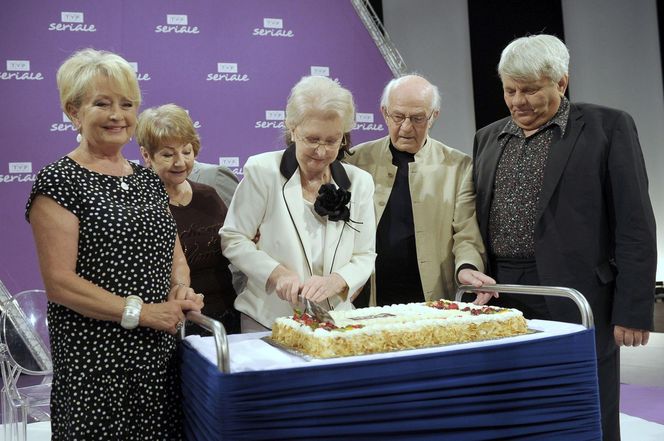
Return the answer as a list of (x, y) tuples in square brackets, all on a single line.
[(595, 229)]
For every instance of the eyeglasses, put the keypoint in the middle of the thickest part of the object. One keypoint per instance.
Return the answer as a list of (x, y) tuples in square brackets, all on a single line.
[(416, 120), (314, 143)]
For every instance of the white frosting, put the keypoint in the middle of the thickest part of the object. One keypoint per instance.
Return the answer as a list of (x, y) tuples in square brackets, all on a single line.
[(409, 317)]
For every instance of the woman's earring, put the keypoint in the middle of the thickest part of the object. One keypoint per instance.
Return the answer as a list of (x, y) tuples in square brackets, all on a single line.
[(79, 138)]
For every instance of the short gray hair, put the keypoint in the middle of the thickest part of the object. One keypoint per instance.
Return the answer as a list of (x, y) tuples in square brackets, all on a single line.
[(389, 87), (533, 57), (319, 93)]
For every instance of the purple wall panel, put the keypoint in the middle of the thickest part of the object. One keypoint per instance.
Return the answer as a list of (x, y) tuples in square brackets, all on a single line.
[(230, 63)]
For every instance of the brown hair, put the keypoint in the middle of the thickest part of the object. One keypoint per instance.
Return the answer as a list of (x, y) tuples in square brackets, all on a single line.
[(169, 122)]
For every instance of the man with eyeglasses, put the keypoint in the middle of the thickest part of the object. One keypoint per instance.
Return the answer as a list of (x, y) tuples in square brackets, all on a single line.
[(427, 238)]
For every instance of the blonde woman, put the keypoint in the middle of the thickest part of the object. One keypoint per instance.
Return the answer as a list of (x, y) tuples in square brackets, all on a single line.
[(114, 271)]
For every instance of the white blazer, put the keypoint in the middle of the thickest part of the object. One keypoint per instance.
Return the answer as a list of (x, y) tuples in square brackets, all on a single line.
[(267, 201)]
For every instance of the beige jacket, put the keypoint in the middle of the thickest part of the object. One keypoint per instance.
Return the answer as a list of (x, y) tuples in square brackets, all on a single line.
[(442, 192)]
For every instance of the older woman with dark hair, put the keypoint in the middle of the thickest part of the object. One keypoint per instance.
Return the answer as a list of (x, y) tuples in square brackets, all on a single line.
[(314, 214), (114, 271), (169, 145)]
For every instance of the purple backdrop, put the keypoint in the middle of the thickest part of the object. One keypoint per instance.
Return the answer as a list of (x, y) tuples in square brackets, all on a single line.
[(230, 63)]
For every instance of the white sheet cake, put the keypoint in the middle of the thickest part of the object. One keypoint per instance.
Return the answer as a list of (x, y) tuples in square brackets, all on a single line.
[(396, 327)]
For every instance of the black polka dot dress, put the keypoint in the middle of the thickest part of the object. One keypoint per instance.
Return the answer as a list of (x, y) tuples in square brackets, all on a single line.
[(110, 383)]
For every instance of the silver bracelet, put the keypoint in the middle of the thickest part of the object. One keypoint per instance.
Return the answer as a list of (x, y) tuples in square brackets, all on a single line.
[(132, 312)]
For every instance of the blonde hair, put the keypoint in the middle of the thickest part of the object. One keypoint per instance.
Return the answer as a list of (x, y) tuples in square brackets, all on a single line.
[(77, 73), (167, 123)]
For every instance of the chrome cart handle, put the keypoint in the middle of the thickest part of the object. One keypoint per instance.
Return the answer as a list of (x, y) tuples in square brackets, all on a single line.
[(220, 338), (556, 291)]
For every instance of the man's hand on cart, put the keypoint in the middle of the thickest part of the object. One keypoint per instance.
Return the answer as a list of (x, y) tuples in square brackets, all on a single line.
[(630, 337), (475, 278)]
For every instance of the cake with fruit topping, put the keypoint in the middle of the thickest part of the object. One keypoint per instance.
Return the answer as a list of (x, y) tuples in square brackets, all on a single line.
[(396, 327)]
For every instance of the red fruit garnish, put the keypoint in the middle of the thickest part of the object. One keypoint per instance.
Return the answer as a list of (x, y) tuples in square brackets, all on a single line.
[(443, 304)]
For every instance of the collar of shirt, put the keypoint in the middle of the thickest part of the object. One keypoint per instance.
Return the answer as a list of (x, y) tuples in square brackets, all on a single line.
[(559, 119), (399, 157)]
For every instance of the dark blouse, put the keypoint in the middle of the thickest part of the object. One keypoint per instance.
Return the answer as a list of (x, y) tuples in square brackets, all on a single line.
[(198, 225)]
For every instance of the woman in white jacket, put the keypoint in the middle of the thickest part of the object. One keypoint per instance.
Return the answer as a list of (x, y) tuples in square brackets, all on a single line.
[(313, 216)]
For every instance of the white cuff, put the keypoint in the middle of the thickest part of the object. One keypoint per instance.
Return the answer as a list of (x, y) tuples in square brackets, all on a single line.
[(132, 312)]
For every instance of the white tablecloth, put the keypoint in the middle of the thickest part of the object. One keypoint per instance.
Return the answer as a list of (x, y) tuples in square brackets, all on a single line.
[(249, 353)]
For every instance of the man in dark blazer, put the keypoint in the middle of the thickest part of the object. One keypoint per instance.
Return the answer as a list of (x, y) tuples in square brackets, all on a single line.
[(562, 200)]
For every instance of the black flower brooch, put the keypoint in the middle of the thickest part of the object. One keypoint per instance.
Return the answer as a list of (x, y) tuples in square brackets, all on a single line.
[(333, 203)]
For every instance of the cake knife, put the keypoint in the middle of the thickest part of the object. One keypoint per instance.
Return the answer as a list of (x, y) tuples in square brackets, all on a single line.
[(314, 310)]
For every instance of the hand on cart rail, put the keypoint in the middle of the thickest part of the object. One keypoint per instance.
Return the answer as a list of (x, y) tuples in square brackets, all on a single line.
[(475, 278)]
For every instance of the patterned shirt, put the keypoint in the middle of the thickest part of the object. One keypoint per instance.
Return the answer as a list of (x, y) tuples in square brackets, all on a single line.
[(518, 182)]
